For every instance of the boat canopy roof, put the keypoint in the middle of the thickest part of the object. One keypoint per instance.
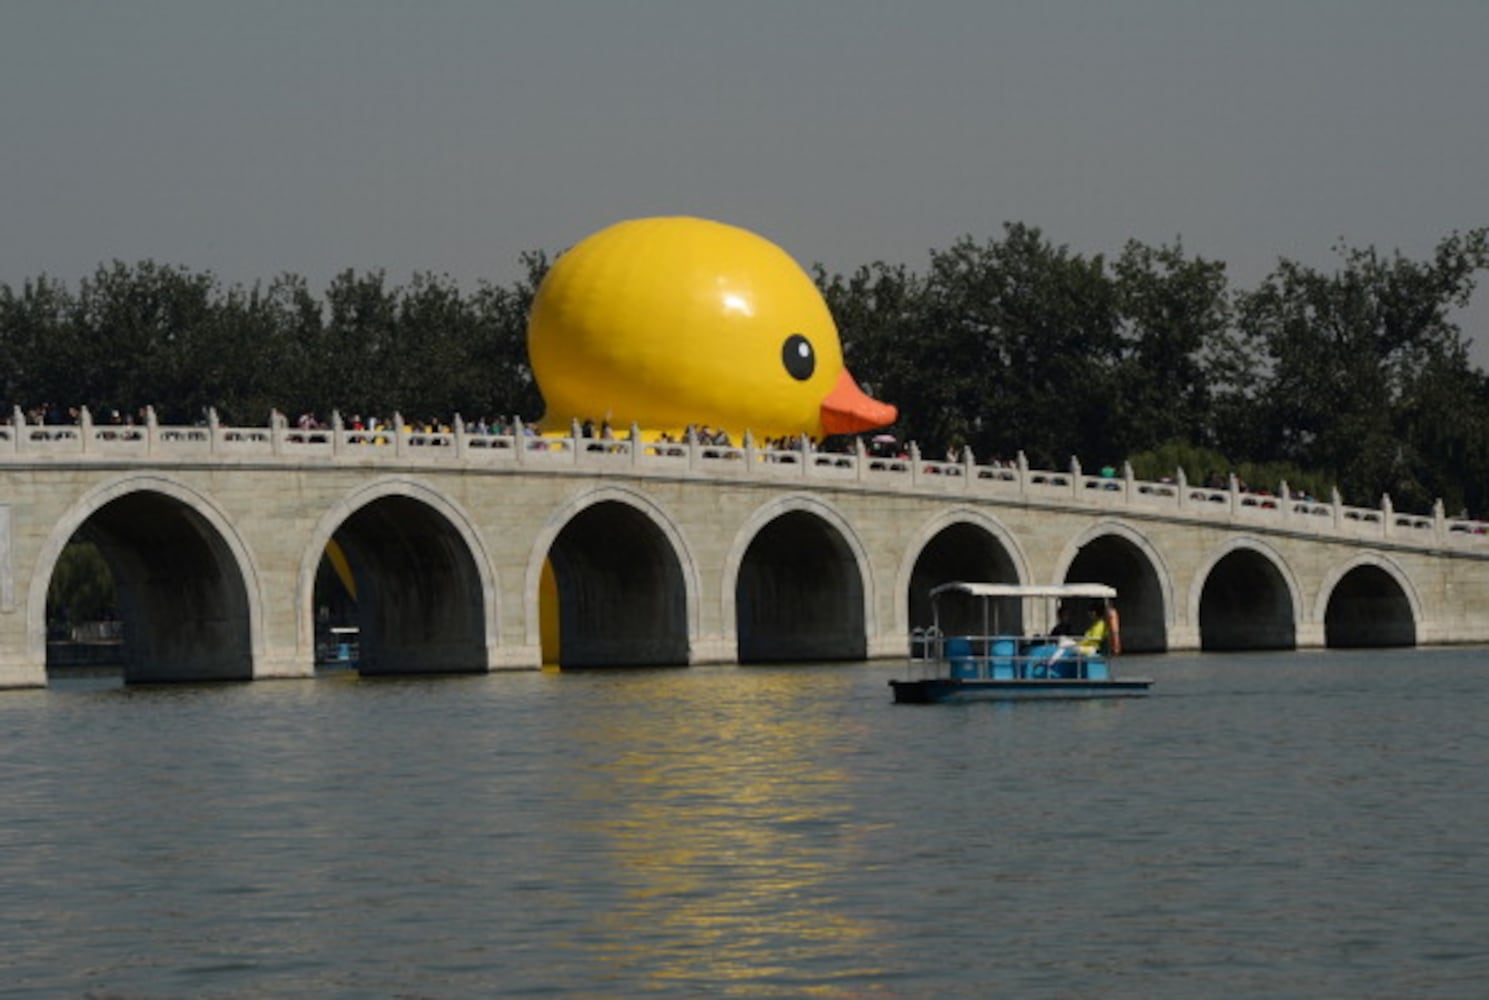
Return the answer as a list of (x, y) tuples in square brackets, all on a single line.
[(1097, 590)]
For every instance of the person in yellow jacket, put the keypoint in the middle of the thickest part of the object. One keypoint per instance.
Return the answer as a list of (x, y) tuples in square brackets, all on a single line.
[(1095, 635)]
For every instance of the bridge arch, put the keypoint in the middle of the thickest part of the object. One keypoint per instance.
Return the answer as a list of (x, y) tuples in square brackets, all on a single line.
[(189, 591), (798, 585), (425, 589), (1245, 596), (1368, 601), (625, 579), (959, 544), (1117, 554)]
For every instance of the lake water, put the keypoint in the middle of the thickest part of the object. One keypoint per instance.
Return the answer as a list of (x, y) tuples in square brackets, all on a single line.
[(1264, 825)]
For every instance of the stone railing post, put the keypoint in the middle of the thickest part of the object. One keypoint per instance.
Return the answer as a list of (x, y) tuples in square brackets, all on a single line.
[(915, 463), (636, 446), (338, 433), (17, 428), (85, 428), (1439, 521), (1075, 477), (213, 426), (458, 426), (278, 426), (1337, 502), (1181, 486), (1021, 465), (1387, 516), (519, 439), (692, 447), (152, 430), (400, 443)]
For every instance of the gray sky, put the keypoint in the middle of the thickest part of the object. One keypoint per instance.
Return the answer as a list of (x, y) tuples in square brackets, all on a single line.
[(256, 138)]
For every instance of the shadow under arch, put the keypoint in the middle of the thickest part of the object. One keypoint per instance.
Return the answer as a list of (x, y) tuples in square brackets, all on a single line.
[(188, 591), (424, 589), (1246, 598), (1369, 602), (1120, 556), (961, 544), (624, 580), (802, 587)]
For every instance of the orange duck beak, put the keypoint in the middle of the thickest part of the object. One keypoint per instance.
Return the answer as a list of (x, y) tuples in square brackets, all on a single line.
[(847, 410)]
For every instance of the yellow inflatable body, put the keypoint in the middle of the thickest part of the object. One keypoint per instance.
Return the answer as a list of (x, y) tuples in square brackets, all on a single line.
[(667, 322)]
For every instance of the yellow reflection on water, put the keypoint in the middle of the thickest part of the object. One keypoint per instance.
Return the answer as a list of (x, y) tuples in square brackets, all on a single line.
[(730, 833)]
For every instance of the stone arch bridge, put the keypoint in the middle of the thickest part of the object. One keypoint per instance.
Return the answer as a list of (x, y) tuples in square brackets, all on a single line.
[(218, 537)]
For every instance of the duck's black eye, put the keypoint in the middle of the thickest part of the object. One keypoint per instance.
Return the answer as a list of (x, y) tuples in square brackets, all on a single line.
[(798, 357)]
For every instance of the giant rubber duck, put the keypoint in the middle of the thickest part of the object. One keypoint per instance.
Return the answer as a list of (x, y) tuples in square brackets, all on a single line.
[(671, 321)]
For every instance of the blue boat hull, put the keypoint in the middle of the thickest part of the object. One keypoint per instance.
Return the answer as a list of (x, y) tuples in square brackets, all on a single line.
[(938, 690)]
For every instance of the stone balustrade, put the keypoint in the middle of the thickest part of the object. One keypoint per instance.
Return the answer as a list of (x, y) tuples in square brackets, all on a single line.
[(154, 444)]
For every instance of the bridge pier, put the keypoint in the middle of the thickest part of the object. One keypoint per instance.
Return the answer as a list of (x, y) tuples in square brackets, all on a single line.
[(283, 666), (1183, 638), (888, 647), (711, 650), (15, 675), (1309, 635)]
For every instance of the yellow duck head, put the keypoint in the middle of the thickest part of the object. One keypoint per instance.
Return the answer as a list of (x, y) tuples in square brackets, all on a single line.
[(666, 322)]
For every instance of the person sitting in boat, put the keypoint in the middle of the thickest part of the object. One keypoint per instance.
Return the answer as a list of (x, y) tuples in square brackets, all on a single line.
[(1090, 643), (1065, 633), (1095, 636), (1065, 621)]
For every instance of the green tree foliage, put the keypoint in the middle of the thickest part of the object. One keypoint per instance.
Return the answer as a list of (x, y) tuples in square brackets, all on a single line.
[(1358, 376), (82, 587), (1362, 367), (1038, 326), (133, 331), (1177, 356), (32, 322), (498, 378), (1003, 346), (145, 334), (1017, 344), (1021, 345)]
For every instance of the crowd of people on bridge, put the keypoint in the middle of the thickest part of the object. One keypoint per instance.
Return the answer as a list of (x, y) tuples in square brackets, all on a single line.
[(57, 415)]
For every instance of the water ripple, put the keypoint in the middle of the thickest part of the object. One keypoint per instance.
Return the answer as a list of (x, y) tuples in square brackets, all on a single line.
[(1295, 825)]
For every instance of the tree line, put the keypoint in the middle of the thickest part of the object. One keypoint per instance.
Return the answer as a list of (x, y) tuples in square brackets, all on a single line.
[(176, 339), (1355, 377)]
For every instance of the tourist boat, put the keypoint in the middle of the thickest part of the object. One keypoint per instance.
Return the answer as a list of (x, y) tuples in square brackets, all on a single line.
[(978, 658), (342, 649)]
